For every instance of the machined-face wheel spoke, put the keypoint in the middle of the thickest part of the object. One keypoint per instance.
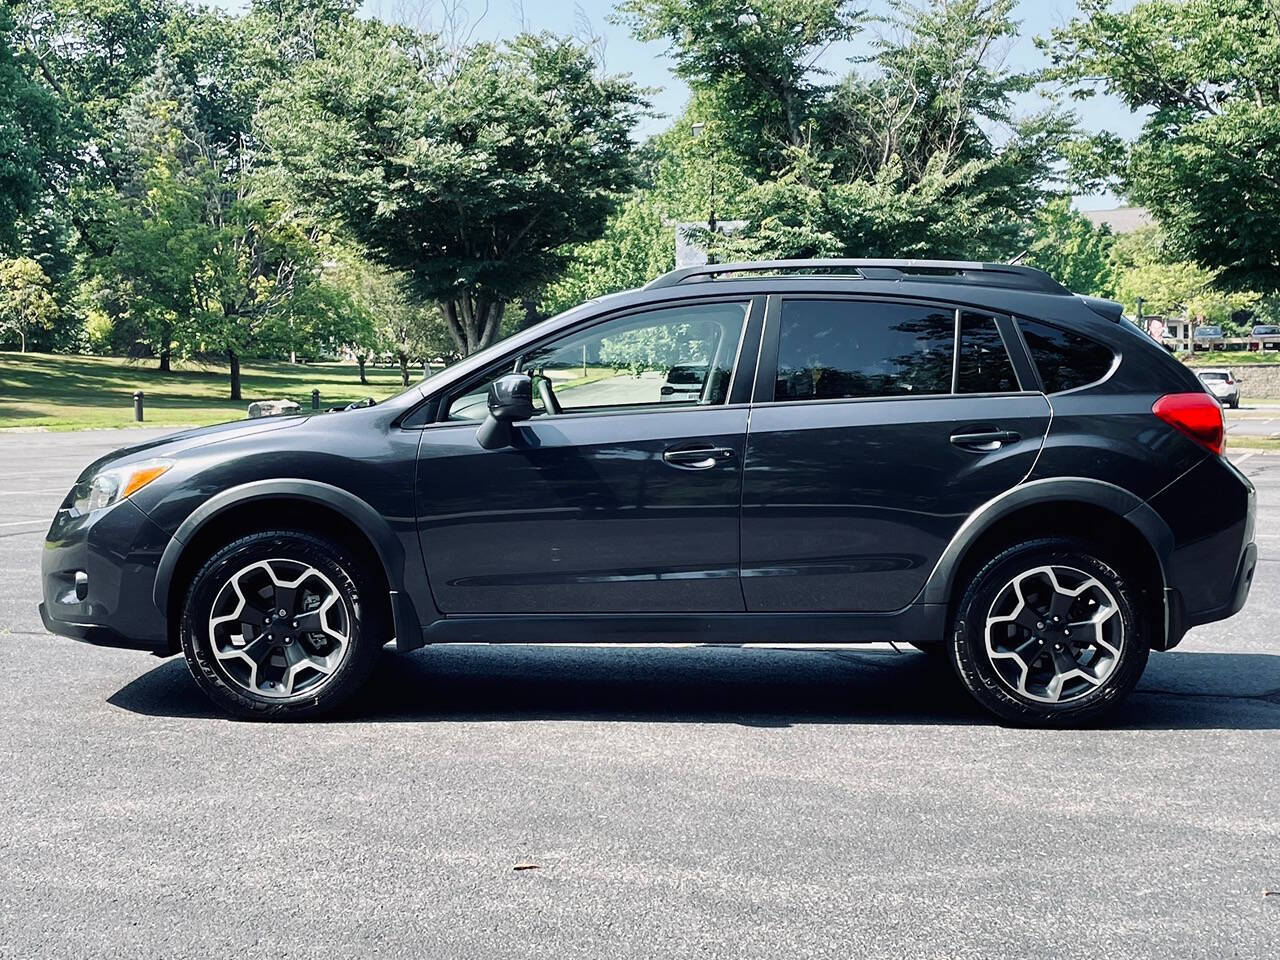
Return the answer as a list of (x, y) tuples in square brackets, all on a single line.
[(294, 647), (1053, 634)]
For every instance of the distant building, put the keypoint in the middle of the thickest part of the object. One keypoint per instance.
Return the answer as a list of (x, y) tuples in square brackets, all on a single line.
[(1121, 219)]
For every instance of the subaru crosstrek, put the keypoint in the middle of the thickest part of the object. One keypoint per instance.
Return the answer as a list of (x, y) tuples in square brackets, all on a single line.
[(960, 456)]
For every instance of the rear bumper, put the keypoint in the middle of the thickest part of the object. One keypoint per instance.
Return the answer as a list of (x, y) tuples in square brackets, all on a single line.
[(1210, 512), (1239, 592), (97, 574)]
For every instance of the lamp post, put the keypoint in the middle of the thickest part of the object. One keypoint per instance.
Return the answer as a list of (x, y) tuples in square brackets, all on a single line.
[(699, 130)]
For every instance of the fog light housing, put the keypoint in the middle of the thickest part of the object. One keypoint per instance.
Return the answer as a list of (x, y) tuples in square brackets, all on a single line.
[(82, 585)]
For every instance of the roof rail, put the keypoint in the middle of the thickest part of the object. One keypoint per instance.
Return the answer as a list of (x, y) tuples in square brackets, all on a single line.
[(970, 271)]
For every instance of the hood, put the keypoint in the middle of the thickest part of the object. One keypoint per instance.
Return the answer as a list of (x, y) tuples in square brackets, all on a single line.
[(174, 443)]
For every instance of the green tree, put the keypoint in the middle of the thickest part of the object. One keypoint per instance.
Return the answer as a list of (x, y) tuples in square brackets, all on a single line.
[(636, 247), (25, 301), (754, 60), (472, 175), (1207, 163), (29, 123), (198, 254), (1143, 266), (899, 158), (1068, 247)]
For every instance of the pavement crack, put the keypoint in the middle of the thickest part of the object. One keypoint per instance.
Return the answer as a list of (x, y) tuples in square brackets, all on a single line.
[(1271, 696)]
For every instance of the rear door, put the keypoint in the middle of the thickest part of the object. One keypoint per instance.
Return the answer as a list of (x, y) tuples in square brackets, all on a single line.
[(871, 439)]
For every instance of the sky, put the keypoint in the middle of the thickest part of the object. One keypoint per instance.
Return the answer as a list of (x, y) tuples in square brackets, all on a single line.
[(649, 65)]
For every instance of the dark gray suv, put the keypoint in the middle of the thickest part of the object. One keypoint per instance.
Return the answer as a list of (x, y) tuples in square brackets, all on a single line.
[(961, 456)]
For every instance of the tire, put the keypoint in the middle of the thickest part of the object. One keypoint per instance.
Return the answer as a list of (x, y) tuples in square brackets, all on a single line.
[(253, 662), (1235, 404), (1009, 653)]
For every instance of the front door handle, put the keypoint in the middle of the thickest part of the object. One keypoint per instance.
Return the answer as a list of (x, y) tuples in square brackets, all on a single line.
[(697, 458), (984, 440)]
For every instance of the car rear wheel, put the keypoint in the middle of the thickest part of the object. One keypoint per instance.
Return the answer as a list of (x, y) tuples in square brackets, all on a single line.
[(1047, 634), (274, 627)]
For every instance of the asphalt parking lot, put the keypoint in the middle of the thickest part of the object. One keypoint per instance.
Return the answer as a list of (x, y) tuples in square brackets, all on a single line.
[(688, 802)]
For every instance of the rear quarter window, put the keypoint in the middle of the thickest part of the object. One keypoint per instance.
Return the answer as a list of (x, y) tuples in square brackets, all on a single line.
[(1065, 360)]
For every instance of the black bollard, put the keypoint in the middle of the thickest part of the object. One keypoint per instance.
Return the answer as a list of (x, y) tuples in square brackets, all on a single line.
[(137, 405), (315, 399)]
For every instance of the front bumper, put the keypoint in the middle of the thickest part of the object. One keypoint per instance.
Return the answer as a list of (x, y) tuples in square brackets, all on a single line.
[(97, 574)]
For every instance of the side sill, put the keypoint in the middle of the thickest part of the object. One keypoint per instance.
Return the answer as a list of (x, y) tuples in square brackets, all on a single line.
[(919, 623)]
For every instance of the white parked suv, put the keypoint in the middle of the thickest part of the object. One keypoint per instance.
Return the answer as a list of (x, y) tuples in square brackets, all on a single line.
[(1223, 385)]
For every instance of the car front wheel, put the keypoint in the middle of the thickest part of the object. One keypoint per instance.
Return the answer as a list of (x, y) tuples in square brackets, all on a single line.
[(274, 626), (1047, 634)]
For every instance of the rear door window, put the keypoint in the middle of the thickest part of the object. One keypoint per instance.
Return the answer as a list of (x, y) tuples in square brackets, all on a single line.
[(837, 349), (1065, 360), (984, 365)]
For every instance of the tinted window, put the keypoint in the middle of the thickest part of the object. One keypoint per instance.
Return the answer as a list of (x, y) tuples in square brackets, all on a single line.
[(830, 349), (1066, 360), (1214, 376), (628, 362), (984, 365)]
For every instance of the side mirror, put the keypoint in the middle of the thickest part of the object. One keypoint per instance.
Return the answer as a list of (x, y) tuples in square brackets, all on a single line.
[(510, 399)]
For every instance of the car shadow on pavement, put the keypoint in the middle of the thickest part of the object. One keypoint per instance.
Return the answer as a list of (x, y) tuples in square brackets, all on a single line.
[(749, 686)]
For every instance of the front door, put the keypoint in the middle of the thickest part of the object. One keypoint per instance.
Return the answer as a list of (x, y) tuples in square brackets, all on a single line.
[(874, 440), (620, 496)]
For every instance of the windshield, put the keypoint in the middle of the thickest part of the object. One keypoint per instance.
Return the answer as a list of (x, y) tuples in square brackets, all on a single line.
[(1214, 376), (1266, 329), (1209, 332)]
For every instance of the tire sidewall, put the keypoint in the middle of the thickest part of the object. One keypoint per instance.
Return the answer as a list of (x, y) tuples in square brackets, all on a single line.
[(967, 643), (326, 557)]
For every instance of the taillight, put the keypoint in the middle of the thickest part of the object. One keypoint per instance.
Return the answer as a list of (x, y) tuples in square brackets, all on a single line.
[(1198, 415)]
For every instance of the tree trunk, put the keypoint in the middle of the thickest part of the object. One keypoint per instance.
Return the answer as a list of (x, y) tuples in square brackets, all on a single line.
[(164, 361), (404, 369), (22, 342), (360, 360), (234, 360), (473, 322)]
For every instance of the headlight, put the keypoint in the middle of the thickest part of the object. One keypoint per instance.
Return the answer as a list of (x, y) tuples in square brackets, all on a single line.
[(114, 484)]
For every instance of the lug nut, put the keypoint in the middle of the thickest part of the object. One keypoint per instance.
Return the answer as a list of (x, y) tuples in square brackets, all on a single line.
[(283, 613), (1040, 625)]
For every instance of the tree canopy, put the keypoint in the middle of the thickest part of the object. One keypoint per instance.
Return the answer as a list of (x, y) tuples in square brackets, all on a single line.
[(1207, 161), (470, 174), (299, 178)]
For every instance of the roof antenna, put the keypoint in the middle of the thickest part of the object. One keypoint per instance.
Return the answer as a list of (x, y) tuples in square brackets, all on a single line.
[(1018, 259)]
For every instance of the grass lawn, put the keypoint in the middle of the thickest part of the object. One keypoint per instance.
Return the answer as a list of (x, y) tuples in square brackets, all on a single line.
[(69, 393), (1229, 358), (1256, 444)]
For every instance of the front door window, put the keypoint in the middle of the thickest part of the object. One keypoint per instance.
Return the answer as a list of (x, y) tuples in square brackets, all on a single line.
[(660, 359)]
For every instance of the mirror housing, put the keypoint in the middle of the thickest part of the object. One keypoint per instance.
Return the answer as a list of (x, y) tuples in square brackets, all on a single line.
[(510, 399)]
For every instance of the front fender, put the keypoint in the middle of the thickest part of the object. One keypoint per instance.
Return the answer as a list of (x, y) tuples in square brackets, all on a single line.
[(385, 543)]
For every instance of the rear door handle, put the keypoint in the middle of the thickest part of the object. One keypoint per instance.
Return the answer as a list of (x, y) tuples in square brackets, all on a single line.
[(696, 458), (984, 440)]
